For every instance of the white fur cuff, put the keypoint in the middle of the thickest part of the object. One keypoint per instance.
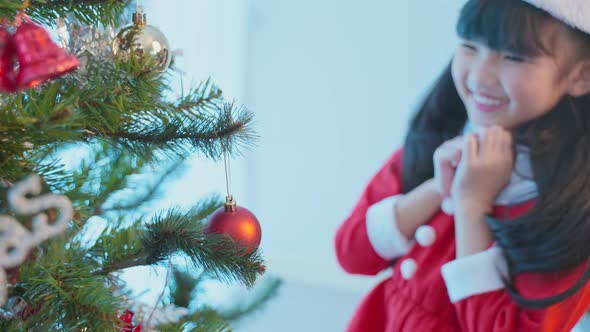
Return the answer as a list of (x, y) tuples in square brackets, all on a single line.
[(384, 235), (475, 274)]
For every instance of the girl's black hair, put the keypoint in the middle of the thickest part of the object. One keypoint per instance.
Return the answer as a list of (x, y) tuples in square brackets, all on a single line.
[(554, 235)]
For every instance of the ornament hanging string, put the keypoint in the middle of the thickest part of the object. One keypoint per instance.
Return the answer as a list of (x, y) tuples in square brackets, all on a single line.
[(139, 7), (227, 169), (148, 323)]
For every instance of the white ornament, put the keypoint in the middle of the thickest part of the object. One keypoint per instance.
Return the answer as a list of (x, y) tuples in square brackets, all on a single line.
[(63, 33), (164, 315), (16, 240), (425, 235), (169, 314), (408, 268)]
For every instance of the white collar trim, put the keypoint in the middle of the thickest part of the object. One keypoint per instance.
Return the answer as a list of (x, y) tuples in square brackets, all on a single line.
[(521, 187)]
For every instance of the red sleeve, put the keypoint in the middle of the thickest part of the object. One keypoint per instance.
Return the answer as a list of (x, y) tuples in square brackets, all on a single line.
[(353, 248), (496, 311)]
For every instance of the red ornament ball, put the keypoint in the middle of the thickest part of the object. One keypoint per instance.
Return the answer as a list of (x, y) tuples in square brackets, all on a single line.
[(237, 222)]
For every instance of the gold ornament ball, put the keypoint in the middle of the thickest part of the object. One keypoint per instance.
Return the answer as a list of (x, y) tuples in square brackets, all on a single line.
[(142, 39)]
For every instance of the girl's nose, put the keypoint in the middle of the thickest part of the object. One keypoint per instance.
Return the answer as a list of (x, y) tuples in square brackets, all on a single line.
[(483, 76)]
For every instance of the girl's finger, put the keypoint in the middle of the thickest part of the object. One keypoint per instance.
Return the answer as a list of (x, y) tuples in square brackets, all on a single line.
[(507, 143), (498, 141), (470, 148), (507, 151), (451, 151), (455, 158), (446, 177), (483, 138), (484, 142), (456, 142)]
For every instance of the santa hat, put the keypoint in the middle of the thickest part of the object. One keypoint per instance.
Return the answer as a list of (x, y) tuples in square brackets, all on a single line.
[(575, 13)]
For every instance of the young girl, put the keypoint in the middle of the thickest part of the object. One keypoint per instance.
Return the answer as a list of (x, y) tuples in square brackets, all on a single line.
[(485, 212)]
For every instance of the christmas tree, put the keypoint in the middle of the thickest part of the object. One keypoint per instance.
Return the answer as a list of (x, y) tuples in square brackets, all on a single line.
[(88, 130)]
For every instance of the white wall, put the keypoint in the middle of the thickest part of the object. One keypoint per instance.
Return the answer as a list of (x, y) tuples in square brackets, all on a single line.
[(212, 38), (333, 84)]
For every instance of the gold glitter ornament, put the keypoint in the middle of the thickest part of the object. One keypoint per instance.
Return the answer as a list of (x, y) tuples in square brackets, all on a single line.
[(140, 38)]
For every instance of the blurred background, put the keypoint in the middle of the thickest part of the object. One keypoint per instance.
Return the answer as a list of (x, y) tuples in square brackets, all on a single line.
[(332, 85)]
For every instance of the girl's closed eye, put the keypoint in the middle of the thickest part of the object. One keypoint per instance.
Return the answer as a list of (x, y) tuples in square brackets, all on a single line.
[(469, 47), (515, 57)]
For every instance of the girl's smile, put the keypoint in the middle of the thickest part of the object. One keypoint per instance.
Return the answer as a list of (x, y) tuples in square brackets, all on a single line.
[(487, 103)]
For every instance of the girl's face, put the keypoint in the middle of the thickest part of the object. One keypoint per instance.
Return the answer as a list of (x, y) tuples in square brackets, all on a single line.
[(500, 88)]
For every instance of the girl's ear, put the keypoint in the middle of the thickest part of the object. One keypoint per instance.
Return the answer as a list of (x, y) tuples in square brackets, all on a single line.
[(580, 80)]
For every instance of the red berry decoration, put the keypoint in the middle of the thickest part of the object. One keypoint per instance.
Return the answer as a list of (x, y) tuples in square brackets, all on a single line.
[(237, 222), (127, 317)]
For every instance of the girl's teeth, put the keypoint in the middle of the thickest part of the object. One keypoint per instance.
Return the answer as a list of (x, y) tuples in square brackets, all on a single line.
[(485, 100)]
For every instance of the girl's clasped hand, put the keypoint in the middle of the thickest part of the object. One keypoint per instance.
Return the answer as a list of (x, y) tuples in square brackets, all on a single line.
[(473, 169)]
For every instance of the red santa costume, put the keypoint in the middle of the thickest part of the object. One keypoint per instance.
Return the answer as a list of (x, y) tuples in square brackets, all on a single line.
[(431, 290)]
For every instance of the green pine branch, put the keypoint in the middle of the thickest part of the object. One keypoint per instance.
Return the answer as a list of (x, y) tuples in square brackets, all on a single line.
[(129, 112), (174, 232), (137, 194), (118, 248), (184, 286), (204, 134), (58, 287), (204, 320), (90, 12)]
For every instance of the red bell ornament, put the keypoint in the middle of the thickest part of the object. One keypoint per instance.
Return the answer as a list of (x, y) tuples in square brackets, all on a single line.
[(7, 73), (237, 222), (39, 58)]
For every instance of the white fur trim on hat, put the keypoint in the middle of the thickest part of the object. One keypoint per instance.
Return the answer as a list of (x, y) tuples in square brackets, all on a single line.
[(382, 230), (575, 13)]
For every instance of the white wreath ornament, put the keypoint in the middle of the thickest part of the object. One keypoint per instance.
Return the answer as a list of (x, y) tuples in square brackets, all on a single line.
[(16, 240)]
